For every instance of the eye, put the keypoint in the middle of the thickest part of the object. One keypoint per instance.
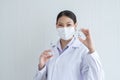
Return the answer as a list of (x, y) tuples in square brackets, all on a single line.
[(69, 25), (60, 25)]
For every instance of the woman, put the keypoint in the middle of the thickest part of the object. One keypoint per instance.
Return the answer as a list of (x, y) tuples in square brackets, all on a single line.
[(72, 58)]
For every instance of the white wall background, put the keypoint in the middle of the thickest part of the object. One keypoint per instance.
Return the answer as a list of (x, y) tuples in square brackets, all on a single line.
[(28, 26)]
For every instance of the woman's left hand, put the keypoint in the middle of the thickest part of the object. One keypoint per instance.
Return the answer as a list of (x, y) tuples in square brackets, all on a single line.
[(88, 41)]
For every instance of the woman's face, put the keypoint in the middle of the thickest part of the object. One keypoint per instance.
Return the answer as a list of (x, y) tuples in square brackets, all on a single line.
[(65, 21)]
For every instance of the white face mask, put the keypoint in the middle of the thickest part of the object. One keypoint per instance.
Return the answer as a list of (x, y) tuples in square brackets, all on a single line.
[(66, 33)]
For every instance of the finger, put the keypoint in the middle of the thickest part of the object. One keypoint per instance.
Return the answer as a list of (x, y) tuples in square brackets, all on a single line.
[(46, 53), (49, 56), (81, 39), (49, 50), (86, 32)]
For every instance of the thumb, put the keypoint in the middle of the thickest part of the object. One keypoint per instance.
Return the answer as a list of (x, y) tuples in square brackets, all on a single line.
[(81, 39), (49, 56)]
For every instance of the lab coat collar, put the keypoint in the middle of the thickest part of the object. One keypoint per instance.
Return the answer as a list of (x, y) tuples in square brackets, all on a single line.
[(75, 43), (68, 45)]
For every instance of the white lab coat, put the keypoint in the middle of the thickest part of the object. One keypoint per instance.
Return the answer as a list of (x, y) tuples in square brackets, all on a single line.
[(75, 63)]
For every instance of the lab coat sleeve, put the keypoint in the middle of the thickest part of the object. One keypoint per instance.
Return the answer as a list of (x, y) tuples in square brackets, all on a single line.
[(91, 67), (41, 75)]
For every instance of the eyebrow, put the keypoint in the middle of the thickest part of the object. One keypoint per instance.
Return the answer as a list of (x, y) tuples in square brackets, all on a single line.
[(61, 22), (68, 22)]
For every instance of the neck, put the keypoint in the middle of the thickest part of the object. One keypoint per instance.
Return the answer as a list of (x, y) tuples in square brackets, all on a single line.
[(64, 42)]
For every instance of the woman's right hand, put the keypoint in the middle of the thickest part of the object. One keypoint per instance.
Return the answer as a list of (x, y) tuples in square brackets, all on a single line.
[(43, 59)]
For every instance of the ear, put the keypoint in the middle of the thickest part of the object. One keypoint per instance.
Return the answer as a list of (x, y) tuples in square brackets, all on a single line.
[(76, 24)]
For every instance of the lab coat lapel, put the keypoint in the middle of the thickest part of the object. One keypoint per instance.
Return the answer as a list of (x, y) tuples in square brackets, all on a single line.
[(70, 50)]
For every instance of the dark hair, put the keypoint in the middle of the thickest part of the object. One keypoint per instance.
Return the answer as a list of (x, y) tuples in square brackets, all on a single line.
[(67, 13)]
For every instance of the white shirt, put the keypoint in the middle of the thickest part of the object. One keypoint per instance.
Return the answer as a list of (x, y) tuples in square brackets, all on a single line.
[(75, 63)]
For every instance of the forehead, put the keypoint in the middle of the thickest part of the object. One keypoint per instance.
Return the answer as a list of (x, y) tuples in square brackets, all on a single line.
[(65, 19)]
